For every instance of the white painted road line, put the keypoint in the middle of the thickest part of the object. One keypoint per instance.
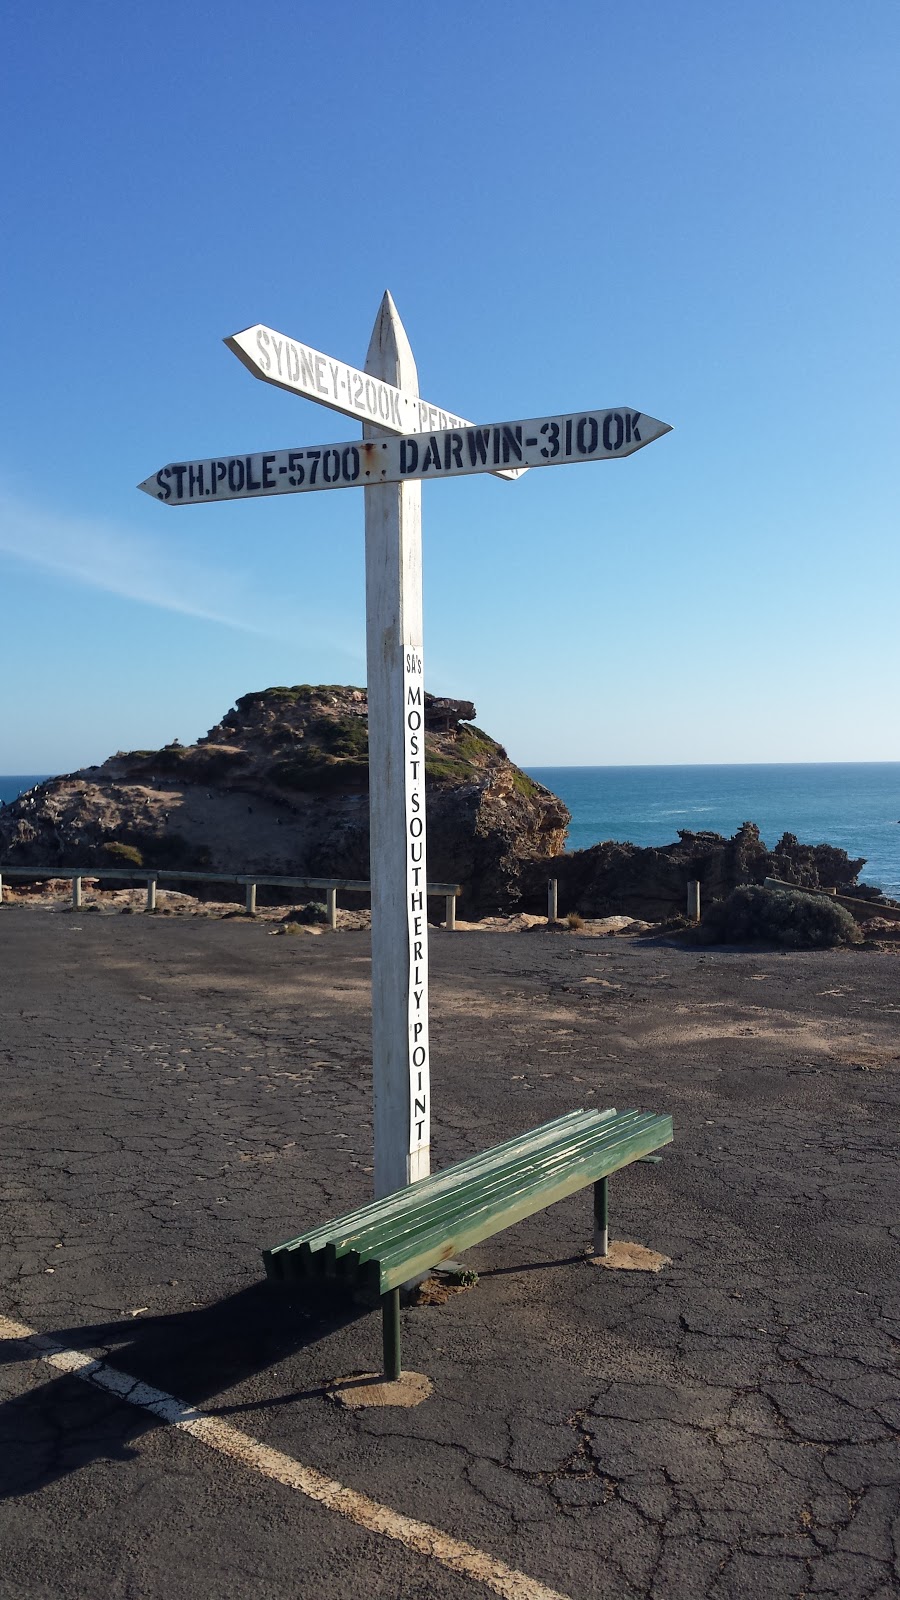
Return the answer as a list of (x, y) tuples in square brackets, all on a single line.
[(454, 1554)]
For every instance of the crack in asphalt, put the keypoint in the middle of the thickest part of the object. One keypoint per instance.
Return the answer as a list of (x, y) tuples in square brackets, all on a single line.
[(728, 1428)]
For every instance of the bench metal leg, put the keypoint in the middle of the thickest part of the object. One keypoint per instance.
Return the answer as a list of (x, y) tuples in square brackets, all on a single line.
[(390, 1334), (601, 1217)]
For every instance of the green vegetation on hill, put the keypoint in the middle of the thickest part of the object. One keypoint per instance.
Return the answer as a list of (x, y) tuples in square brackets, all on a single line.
[(298, 691), (472, 750), (312, 737), (333, 755), (125, 854)]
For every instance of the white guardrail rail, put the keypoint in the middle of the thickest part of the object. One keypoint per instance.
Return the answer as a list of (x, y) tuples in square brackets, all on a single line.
[(250, 880)]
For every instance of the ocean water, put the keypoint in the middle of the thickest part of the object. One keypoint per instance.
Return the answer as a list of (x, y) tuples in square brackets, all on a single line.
[(855, 805), (14, 785)]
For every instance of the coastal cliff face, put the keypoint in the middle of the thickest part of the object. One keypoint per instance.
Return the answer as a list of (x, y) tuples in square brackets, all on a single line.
[(651, 882), (280, 786)]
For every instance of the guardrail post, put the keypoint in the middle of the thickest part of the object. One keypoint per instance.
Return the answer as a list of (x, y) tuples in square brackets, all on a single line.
[(151, 894), (331, 904), (693, 900), (552, 899), (1, 888), (76, 894), (251, 899), (601, 1217), (450, 912)]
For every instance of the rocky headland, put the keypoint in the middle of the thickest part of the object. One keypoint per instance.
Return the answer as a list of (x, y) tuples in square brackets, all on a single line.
[(280, 786)]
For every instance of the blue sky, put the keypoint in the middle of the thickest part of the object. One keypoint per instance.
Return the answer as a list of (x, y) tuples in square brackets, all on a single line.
[(689, 209)]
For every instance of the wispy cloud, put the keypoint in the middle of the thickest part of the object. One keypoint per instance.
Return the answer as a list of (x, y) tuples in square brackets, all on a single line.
[(114, 558)]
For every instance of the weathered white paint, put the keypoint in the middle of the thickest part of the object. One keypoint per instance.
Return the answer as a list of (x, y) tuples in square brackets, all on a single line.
[(455, 1555), (413, 458), (552, 899), (450, 911), (151, 894), (76, 894), (294, 366), (397, 799), (251, 900), (390, 454), (693, 899), (331, 907)]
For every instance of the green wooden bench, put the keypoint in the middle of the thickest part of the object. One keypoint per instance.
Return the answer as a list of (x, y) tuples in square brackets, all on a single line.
[(380, 1247)]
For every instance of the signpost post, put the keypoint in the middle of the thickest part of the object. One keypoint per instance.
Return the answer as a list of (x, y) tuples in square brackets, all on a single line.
[(407, 441), (397, 798)]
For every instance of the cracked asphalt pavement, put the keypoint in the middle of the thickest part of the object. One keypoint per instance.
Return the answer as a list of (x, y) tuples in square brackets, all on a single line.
[(176, 1095)]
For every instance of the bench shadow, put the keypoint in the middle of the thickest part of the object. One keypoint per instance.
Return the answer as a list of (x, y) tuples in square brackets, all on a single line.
[(531, 1266), (64, 1423)]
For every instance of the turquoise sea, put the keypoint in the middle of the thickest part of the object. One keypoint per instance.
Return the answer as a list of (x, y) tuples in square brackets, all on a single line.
[(855, 805), (852, 804)]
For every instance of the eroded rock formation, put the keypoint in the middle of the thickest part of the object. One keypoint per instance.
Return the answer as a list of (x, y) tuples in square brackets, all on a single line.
[(651, 882), (280, 786)]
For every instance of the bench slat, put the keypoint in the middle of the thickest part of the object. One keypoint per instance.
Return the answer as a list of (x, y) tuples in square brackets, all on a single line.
[(481, 1189), (415, 1256), (391, 1240), (398, 1202), (419, 1200)]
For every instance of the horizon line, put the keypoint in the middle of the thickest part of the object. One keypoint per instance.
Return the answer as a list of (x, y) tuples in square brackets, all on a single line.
[(587, 766)]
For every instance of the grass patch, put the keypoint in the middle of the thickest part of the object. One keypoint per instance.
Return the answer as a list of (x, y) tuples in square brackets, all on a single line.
[(125, 853), (446, 769), (343, 737), (291, 694)]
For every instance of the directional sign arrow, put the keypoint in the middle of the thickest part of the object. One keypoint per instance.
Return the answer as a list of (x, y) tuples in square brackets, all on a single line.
[(446, 453), (275, 358)]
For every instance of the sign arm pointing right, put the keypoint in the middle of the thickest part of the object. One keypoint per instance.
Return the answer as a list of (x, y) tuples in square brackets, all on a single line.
[(412, 458)]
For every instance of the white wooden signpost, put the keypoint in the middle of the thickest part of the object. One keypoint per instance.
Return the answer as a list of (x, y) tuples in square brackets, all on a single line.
[(406, 442)]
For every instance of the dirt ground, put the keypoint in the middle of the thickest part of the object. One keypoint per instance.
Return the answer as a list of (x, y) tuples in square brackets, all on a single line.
[(176, 1093)]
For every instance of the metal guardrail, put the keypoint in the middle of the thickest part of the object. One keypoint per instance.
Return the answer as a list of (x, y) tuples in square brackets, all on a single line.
[(858, 907), (250, 880)]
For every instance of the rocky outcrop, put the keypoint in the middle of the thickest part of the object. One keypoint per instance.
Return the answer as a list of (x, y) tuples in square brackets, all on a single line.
[(652, 882), (280, 786)]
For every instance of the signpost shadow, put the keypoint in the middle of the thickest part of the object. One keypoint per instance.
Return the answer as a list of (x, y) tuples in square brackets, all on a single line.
[(65, 1424)]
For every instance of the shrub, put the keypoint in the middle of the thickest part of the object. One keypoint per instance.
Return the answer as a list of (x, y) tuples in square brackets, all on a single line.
[(778, 916), (314, 911), (124, 853), (575, 921)]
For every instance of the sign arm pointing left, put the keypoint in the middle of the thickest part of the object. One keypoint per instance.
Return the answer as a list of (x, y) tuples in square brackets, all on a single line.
[(290, 365)]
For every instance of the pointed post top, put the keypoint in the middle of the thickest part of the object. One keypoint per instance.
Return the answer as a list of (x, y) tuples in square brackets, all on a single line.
[(390, 354)]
